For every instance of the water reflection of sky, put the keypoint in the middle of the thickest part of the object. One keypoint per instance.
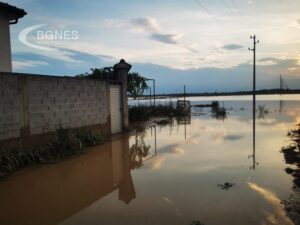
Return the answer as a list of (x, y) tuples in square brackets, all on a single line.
[(176, 183), (187, 171), (179, 183)]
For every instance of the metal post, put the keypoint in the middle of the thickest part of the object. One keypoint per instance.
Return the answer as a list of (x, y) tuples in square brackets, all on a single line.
[(154, 91), (150, 96), (184, 94)]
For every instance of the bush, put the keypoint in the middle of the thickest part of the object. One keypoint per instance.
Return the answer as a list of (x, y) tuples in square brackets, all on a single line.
[(64, 143), (143, 113), (139, 113)]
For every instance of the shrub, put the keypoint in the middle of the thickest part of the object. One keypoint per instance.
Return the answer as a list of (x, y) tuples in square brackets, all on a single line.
[(64, 143)]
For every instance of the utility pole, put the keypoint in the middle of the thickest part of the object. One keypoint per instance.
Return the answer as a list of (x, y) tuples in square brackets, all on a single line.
[(280, 81), (254, 64), (255, 42)]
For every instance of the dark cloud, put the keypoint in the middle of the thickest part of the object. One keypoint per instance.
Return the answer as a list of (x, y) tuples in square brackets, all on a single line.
[(168, 149), (60, 67), (108, 57), (267, 59), (165, 38), (232, 47), (233, 137), (156, 32), (170, 80), (210, 79)]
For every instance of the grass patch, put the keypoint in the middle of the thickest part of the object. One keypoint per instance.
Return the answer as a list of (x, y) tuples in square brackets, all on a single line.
[(63, 144)]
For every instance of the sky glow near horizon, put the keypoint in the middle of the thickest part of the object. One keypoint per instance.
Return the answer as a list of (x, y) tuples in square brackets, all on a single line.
[(201, 43)]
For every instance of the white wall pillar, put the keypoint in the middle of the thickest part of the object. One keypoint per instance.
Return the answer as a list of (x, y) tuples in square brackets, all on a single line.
[(5, 49)]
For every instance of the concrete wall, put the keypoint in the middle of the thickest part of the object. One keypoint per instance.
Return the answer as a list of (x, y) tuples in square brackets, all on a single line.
[(33, 104), (5, 51)]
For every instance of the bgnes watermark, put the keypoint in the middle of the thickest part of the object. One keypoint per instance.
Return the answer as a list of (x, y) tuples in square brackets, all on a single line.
[(34, 36)]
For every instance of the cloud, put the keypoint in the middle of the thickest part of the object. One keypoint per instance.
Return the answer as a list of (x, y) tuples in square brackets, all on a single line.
[(19, 65), (166, 38), (156, 163), (192, 47), (232, 47), (269, 61), (178, 151), (212, 79), (113, 23), (295, 24), (151, 26), (148, 24), (233, 137), (47, 64), (197, 79), (266, 59), (278, 216)]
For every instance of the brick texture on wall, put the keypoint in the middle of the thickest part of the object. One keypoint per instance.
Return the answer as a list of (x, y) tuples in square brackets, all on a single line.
[(9, 107), (40, 104)]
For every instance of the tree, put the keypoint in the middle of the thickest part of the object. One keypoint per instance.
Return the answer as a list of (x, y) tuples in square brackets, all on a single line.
[(105, 73), (136, 83)]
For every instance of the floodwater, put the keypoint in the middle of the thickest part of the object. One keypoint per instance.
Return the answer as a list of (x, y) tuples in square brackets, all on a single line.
[(214, 170)]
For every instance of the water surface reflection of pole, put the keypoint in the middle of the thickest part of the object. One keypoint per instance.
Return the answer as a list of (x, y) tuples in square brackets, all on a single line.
[(254, 118)]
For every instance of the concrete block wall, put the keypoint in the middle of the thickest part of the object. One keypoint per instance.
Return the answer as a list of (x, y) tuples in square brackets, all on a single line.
[(9, 107), (34, 104)]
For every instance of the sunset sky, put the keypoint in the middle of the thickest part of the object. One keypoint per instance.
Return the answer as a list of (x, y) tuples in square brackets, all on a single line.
[(200, 43)]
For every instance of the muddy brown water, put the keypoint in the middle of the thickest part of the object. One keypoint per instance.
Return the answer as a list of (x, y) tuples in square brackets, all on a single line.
[(171, 174)]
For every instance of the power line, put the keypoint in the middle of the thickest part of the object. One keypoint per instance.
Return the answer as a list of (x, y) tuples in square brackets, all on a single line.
[(234, 14), (240, 13), (217, 20)]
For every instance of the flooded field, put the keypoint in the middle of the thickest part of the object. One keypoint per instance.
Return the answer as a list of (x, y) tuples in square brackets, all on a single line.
[(202, 169)]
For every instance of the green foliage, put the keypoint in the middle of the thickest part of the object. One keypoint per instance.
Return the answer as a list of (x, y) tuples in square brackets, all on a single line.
[(88, 138), (136, 84), (105, 73), (65, 143), (143, 112), (139, 113)]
